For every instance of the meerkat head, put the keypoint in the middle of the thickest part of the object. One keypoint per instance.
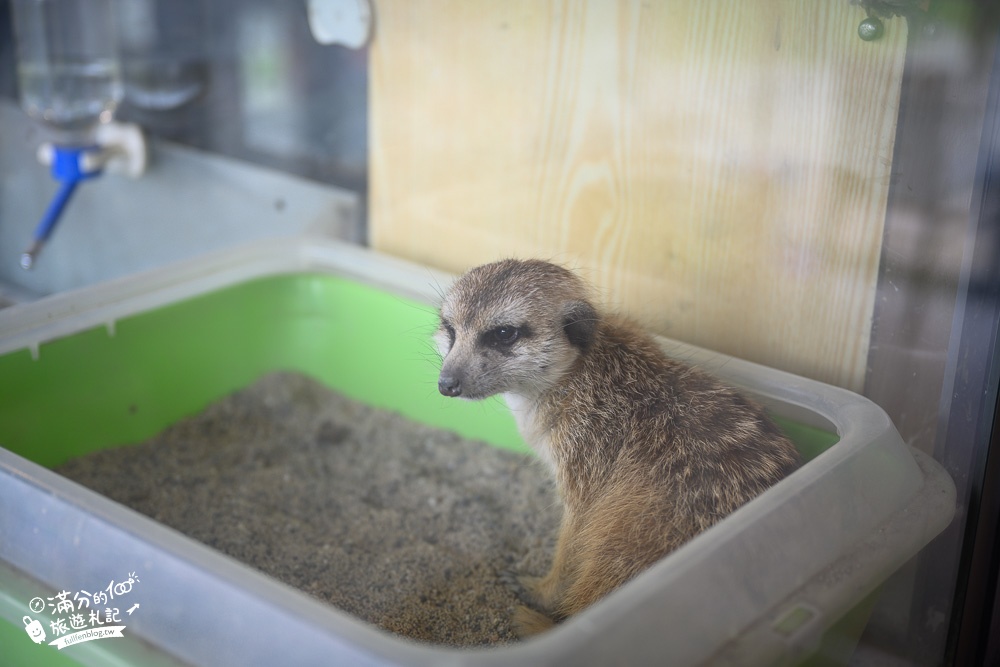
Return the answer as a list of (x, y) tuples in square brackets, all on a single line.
[(513, 326)]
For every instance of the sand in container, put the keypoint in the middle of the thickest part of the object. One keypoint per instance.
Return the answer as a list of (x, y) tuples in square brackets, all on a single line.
[(403, 525)]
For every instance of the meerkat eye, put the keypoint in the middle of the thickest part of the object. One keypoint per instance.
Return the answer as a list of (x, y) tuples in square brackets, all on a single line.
[(505, 335)]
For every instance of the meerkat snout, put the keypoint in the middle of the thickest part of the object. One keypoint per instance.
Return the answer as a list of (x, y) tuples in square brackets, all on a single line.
[(450, 385), (646, 451)]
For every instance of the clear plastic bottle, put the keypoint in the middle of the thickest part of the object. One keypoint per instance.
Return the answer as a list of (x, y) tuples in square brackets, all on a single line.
[(162, 46), (68, 66)]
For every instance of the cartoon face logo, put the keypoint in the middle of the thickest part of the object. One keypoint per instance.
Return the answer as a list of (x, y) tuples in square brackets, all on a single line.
[(34, 630)]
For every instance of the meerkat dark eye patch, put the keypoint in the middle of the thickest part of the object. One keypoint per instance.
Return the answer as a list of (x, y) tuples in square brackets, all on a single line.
[(504, 336), (580, 323)]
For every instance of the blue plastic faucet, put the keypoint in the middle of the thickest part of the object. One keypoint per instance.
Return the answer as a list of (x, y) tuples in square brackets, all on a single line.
[(68, 170)]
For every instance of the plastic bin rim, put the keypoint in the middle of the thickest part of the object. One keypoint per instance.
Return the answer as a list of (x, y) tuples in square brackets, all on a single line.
[(31, 325)]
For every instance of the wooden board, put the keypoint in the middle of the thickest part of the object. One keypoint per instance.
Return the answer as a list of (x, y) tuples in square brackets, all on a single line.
[(719, 169)]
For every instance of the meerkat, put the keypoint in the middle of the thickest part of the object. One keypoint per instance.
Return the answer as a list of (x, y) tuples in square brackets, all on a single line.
[(646, 451)]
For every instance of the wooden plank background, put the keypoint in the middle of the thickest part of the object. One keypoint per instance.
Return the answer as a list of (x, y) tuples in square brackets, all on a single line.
[(718, 168)]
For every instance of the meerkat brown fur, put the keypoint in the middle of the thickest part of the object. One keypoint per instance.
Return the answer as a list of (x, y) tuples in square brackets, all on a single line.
[(646, 451)]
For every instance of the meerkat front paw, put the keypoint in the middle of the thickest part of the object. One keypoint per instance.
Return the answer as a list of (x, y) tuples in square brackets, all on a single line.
[(528, 589)]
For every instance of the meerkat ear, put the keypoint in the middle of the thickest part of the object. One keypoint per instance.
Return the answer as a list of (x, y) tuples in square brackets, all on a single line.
[(580, 323)]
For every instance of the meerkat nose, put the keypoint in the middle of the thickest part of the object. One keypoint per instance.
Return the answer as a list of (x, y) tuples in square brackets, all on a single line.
[(449, 385)]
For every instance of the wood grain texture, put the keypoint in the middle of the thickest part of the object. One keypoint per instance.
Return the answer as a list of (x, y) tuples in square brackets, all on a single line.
[(719, 169)]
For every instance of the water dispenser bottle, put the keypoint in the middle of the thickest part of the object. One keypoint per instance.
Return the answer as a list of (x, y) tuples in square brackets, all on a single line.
[(68, 64)]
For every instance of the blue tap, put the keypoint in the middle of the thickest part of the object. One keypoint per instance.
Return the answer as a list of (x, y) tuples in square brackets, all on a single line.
[(68, 169)]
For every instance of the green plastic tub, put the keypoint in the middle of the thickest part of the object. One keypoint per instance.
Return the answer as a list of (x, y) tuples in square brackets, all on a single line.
[(117, 363)]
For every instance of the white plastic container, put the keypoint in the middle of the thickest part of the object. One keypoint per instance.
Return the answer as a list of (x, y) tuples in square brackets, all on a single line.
[(760, 587)]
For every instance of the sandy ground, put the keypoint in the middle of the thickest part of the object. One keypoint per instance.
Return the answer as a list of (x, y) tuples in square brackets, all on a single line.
[(405, 526)]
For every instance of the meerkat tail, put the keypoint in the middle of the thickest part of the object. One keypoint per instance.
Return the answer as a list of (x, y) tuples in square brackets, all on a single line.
[(527, 622)]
